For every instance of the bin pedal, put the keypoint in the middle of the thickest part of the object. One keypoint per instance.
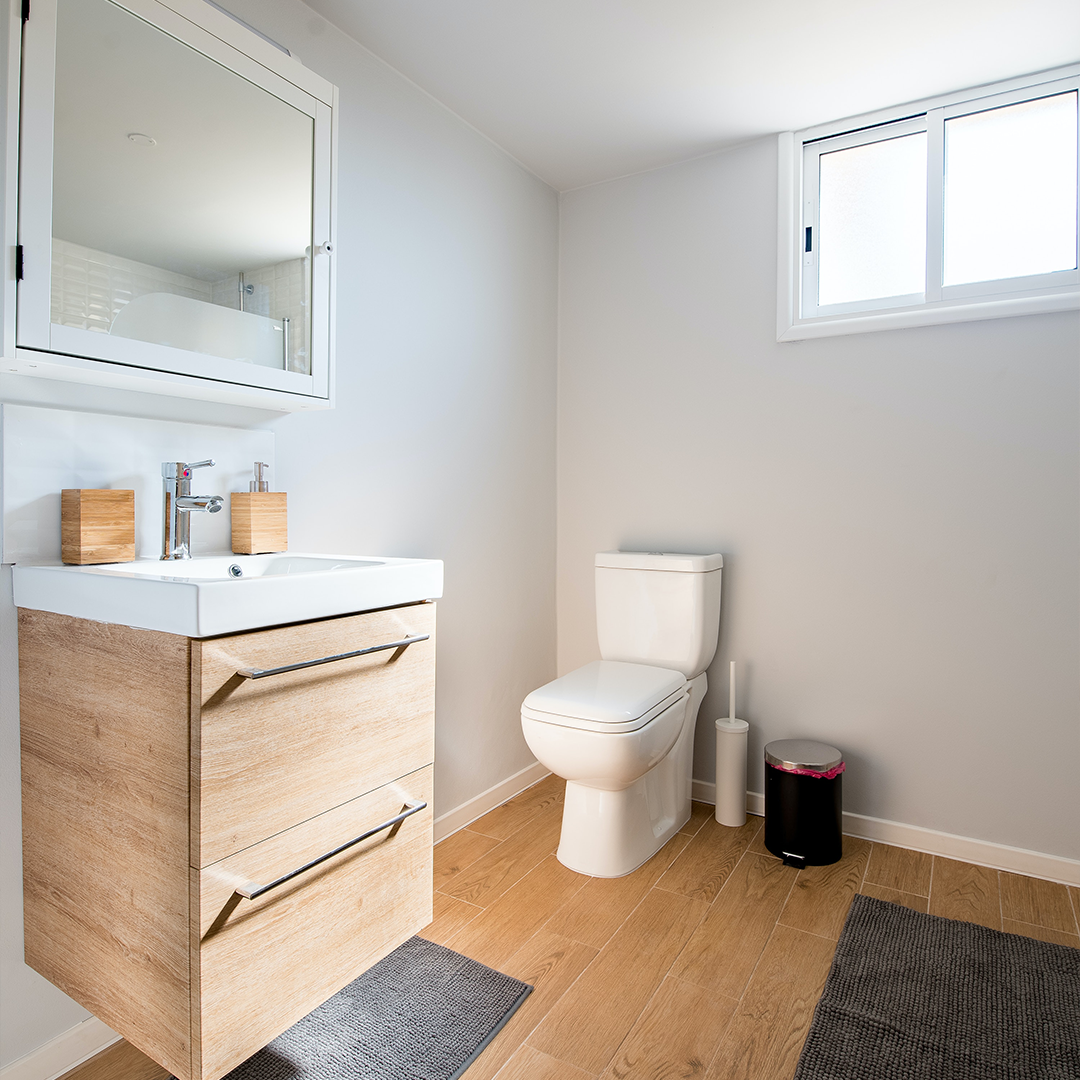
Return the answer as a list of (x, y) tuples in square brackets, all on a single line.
[(798, 861)]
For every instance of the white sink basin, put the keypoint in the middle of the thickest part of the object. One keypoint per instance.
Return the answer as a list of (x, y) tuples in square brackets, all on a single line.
[(222, 594)]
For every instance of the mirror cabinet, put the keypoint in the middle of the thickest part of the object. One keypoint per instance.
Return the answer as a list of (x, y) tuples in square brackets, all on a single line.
[(175, 217)]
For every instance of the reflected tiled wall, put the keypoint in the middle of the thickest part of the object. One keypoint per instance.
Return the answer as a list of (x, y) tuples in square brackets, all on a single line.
[(278, 291), (89, 287)]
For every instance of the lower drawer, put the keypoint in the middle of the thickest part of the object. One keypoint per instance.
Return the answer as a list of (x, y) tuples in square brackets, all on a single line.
[(260, 965)]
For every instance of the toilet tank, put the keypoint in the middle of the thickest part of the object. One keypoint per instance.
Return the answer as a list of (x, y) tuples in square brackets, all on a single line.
[(658, 608)]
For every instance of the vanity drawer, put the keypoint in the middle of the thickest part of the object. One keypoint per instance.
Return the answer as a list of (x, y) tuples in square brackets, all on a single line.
[(270, 752), (260, 965)]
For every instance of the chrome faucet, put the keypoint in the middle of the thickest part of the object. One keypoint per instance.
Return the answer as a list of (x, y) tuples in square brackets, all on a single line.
[(178, 503)]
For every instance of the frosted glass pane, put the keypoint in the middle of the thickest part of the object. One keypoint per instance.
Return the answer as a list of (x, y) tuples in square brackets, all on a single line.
[(1010, 191), (872, 220)]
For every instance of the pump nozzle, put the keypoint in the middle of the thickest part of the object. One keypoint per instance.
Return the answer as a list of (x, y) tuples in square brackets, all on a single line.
[(259, 483)]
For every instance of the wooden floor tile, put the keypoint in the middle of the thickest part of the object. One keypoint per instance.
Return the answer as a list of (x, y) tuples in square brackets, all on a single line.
[(725, 948), (961, 890), (1045, 903), (766, 1035), (511, 816), (1043, 933), (900, 869), (530, 1064), (587, 1025), (700, 812), (509, 861), (821, 896), (121, 1060), (600, 908), (713, 852), (895, 896), (458, 851), (509, 921), (676, 1035), (549, 964), (448, 917), (1074, 896)]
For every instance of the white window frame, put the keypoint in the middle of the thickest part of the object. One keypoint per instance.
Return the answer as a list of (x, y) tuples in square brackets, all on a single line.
[(799, 317)]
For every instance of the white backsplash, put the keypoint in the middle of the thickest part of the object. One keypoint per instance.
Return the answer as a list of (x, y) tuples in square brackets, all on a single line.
[(47, 450)]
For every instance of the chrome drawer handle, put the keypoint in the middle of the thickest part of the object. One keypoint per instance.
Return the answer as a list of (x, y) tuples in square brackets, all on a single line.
[(262, 673), (251, 891)]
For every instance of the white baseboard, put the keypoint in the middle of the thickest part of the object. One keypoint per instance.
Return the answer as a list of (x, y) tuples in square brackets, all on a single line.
[(57, 1056), (477, 807), (965, 848), (948, 845)]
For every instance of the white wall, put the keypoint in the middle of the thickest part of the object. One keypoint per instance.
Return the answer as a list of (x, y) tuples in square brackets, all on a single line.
[(898, 511), (442, 444)]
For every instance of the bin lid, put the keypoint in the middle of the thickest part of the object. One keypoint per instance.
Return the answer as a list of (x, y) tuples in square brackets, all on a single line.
[(791, 754)]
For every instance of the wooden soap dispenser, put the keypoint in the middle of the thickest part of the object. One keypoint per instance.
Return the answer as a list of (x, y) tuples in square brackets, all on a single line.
[(259, 517)]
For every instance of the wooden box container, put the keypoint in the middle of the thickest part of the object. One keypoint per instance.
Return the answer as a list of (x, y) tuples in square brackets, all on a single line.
[(97, 525), (259, 522)]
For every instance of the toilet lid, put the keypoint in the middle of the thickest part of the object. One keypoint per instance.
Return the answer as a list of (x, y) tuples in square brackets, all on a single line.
[(606, 692)]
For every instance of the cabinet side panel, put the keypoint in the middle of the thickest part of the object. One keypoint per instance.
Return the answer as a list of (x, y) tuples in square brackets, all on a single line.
[(104, 728)]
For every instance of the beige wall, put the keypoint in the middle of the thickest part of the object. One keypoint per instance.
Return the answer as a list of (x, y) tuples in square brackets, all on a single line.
[(898, 511)]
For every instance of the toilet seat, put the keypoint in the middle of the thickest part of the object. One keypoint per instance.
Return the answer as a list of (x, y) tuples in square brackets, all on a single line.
[(606, 696)]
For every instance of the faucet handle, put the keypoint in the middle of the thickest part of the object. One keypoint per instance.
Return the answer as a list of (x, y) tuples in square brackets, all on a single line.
[(172, 470)]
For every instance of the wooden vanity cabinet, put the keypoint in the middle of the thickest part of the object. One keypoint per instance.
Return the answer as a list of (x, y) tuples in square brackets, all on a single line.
[(159, 785)]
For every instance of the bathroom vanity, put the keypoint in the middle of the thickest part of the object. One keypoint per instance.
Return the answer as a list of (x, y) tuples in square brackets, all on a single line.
[(173, 786)]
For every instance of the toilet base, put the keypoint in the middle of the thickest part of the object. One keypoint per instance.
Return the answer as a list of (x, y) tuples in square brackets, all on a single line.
[(611, 833)]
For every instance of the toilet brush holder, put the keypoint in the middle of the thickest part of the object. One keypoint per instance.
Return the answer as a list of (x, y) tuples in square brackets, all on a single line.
[(731, 735)]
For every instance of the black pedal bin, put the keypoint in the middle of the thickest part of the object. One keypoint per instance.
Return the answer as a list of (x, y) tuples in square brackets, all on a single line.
[(803, 813)]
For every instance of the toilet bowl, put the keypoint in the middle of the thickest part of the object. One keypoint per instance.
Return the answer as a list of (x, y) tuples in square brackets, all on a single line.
[(620, 730)]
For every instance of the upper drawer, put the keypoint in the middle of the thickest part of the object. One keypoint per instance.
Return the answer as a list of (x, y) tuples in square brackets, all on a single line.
[(271, 752)]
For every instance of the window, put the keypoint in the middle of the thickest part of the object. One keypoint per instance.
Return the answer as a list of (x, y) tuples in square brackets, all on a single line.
[(960, 208)]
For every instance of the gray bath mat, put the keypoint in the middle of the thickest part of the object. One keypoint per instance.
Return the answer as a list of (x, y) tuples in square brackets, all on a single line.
[(914, 997), (422, 1013)]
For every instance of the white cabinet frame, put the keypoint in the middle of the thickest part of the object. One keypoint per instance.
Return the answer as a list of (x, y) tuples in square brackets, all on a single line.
[(47, 349)]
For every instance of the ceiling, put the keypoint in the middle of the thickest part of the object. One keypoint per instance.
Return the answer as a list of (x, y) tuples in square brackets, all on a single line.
[(581, 91)]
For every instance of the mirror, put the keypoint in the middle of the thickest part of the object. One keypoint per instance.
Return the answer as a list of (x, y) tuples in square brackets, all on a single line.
[(183, 204), (182, 195)]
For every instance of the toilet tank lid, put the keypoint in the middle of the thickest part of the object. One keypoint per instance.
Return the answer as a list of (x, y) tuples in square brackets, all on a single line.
[(608, 691), (659, 560)]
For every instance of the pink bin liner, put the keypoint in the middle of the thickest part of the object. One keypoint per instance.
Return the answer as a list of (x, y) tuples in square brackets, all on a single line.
[(830, 775)]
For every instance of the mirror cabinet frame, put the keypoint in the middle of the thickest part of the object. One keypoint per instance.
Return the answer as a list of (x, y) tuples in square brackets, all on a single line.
[(44, 348)]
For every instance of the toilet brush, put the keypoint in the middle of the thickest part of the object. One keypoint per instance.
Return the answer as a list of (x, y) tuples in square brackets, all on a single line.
[(731, 764)]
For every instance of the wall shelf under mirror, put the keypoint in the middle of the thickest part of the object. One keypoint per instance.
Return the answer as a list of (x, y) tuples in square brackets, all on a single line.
[(176, 188)]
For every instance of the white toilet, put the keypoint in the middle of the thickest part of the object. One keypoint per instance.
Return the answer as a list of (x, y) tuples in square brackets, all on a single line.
[(621, 730)]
